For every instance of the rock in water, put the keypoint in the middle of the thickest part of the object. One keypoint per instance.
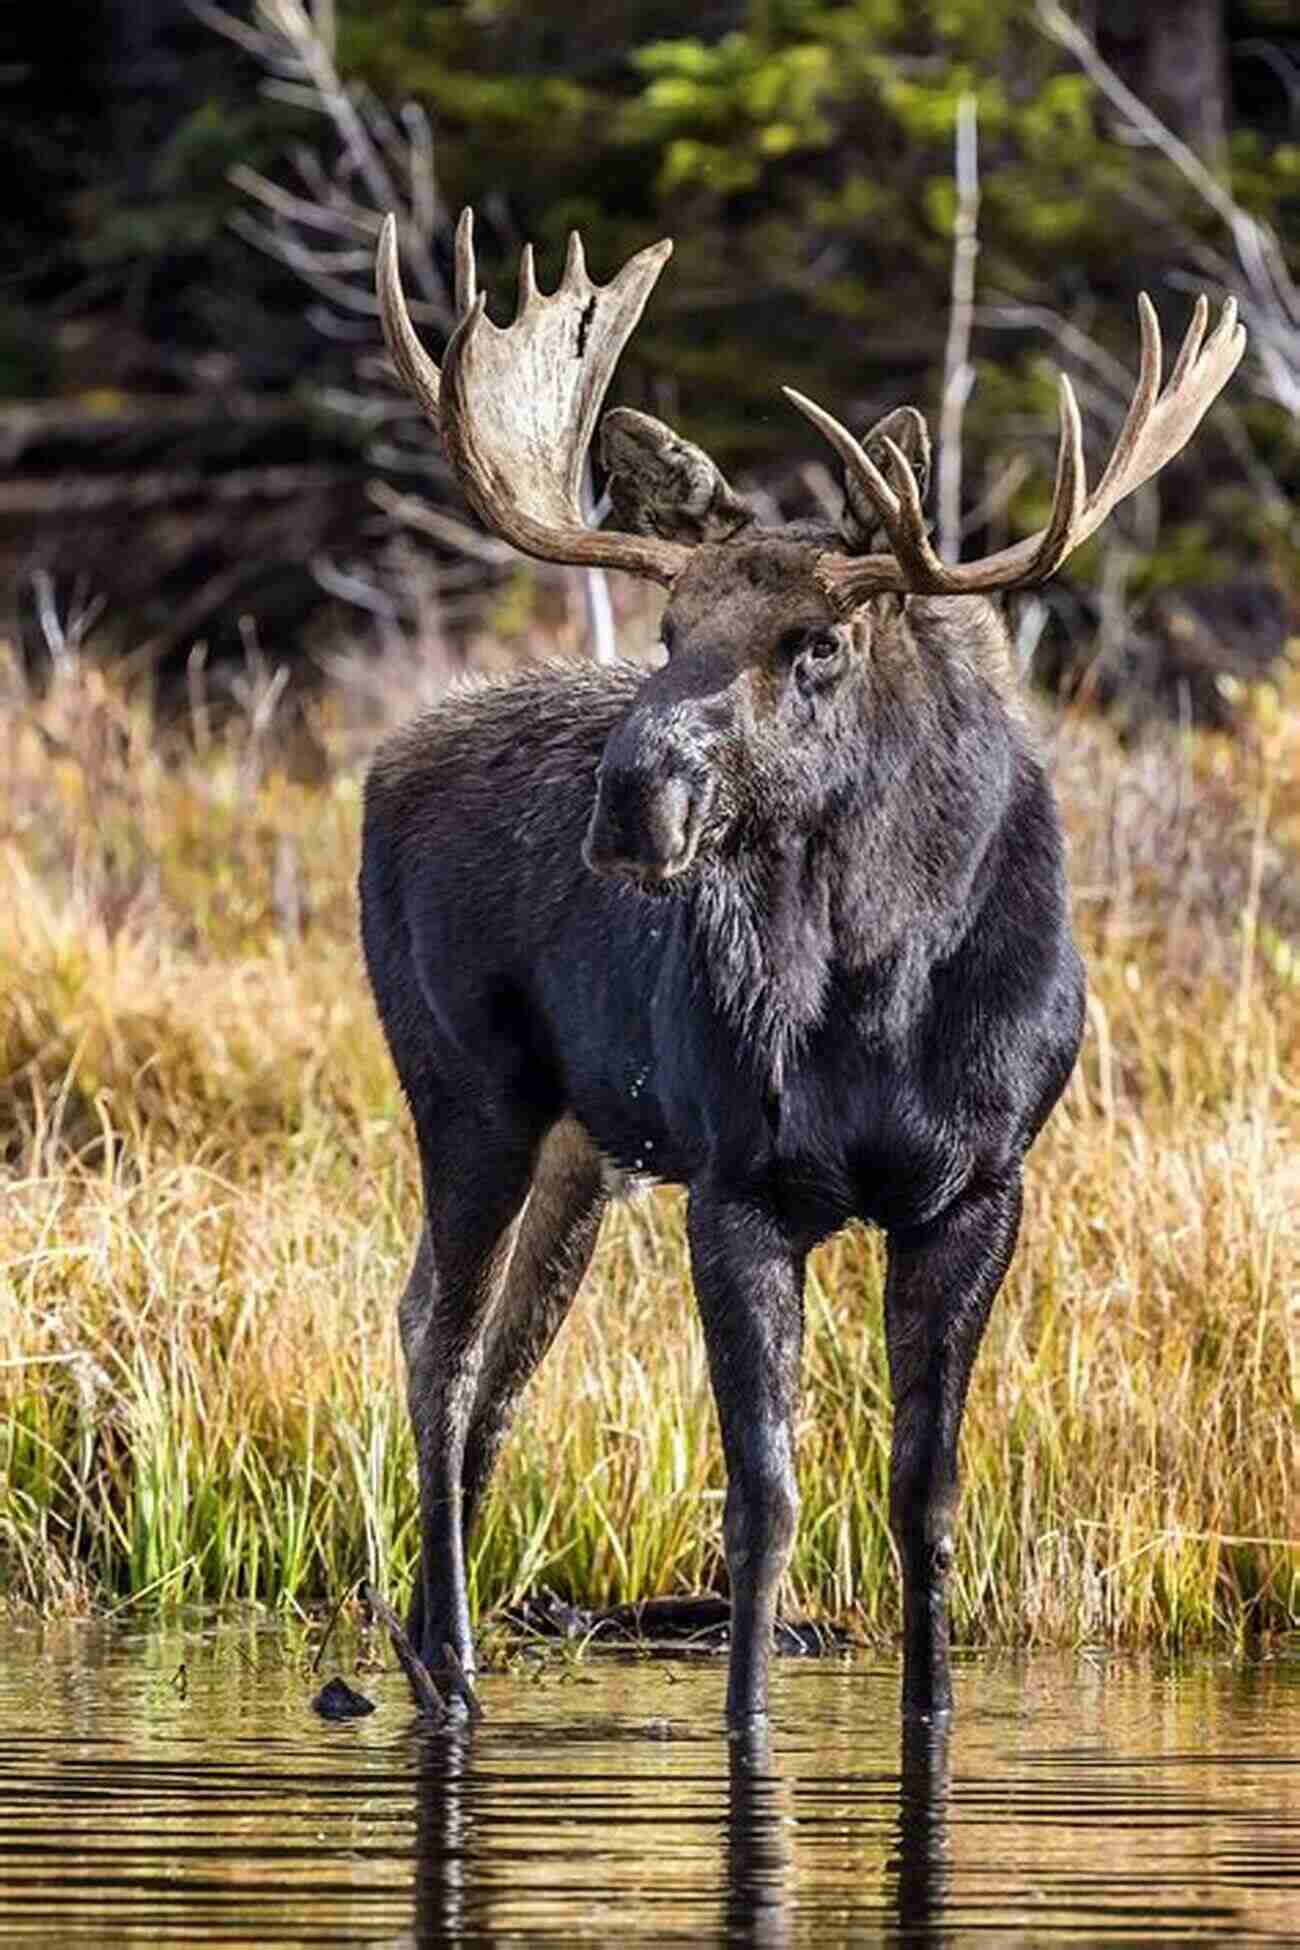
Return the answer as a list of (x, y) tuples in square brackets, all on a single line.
[(336, 1700)]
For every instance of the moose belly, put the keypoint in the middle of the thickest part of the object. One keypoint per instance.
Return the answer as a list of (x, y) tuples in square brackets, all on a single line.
[(880, 1156)]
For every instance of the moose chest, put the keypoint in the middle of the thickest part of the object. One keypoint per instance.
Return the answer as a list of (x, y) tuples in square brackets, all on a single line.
[(857, 1137), (841, 1128)]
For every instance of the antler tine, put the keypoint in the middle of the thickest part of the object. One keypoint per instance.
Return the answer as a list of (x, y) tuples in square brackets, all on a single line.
[(466, 269), (873, 574), (910, 536), (852, 453), (516, 406), (1156, 427), (575, 261), (1195, 333), (1158, 424), (1068, 494), (527, 281), (417, 370), (1147, 390), (915, 564)]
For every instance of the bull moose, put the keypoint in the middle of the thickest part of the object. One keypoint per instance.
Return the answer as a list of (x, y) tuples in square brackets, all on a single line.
[(783, 921)]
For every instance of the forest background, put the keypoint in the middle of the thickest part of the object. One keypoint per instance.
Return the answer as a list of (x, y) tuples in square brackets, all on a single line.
[(197, 425)]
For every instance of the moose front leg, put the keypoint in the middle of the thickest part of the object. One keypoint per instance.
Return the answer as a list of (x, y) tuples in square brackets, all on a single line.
[(476, 1180), (938, 1292), (749, 1286)]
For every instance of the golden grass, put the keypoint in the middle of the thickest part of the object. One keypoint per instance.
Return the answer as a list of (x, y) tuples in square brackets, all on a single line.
[(210, 1196)]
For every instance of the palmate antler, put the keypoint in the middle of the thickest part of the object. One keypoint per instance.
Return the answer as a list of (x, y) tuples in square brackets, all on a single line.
[(516, 407), (1155, 428)]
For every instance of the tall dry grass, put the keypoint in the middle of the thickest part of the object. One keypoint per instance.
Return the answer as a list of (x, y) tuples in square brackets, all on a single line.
[(209, 1197)]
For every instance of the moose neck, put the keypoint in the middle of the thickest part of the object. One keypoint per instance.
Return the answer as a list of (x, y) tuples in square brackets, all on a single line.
[(849, 902)]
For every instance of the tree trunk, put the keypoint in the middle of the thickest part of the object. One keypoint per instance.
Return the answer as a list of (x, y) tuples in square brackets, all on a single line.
[(1186, 72), (1171, 53)]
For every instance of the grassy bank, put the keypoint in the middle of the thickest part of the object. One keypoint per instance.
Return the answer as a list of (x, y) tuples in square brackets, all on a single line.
[(208, 1198)]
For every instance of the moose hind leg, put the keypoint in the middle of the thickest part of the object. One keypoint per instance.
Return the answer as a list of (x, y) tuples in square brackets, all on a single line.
[(475, 1183), (553, 1246), (749, 1286), (938, 1291)]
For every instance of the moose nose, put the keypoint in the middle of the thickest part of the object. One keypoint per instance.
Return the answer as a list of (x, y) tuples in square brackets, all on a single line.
[(642, 826)]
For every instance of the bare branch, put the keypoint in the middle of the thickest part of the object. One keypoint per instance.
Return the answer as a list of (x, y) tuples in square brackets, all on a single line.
[(313, 215), (322, 15), (83, 494), (1270, 300), (64, 635), (280, 245), (427, 211), (352, 588), (260, 46), (414, 513), (958, 373), (998, 496)]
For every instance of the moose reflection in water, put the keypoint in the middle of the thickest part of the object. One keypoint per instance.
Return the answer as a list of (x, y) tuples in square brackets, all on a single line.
[(457, 1870)]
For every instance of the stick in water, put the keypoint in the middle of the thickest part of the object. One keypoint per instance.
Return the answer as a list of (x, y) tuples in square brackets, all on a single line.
[(329, 1629), (425, 1693)]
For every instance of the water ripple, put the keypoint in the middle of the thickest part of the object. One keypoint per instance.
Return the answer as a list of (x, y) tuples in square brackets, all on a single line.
[(1127, 1806)]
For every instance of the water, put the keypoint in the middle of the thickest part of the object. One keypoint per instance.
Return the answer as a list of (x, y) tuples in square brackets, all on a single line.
[(1087, 1799)]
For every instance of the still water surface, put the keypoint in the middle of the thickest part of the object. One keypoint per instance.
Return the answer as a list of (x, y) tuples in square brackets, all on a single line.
[(1085, 1799)]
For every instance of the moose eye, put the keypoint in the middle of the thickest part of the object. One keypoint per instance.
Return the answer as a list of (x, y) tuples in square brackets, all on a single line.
[(814, 645), (819, 660), (819, 644)]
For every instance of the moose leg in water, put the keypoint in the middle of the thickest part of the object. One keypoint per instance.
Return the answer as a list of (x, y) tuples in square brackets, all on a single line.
[(749, 1287), (444, 1315), (938, 1291)]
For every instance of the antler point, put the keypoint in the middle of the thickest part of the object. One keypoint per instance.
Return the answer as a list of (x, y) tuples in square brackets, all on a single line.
[(527, 279), (575, 260), (464, 269), (387, 270)]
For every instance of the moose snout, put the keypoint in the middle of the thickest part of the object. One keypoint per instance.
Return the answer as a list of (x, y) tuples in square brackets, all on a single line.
[(645, 826)]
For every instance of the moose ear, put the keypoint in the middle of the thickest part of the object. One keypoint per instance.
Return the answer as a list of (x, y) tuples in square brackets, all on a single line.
[(906, 427), (660, 484)]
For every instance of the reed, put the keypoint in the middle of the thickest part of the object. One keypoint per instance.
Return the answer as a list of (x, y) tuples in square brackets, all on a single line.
[(210, 1197)]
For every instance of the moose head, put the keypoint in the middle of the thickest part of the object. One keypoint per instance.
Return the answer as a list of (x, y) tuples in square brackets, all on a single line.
[(770, 633)]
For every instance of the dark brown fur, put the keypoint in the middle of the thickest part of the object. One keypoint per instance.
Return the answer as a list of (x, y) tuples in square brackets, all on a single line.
[(784, 922)]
